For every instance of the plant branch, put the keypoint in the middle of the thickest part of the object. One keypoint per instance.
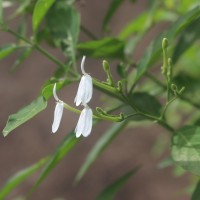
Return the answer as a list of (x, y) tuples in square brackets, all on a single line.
[(36, 46)]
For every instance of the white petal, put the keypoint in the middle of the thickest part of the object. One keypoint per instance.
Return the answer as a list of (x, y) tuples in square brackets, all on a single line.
[(54, 93), (88, 89), (88, 123), (57, 116), (84, 125), (81, 123), (82, 65), (80, 92), (85, 90)]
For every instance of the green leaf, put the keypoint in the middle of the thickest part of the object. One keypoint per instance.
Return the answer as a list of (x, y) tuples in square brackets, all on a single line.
[(185, 148), (24, 115), (7, 50), (67, 144), (154, 51), (188, 37), (134, 26), (47, 90), (114, 5), (21, 58), (68, 26), (100, 146), (196, 193), (146, 103), (40, 10), (110, 191), (19, 177), (104, 48), (65, 33), (23, 8), (191, 84)]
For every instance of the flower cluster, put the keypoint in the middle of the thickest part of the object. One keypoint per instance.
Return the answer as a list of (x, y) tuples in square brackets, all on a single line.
[(83, 96)]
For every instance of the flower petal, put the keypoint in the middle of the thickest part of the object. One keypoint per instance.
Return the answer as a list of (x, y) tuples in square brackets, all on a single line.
[(81, 124), (88, 123), (85, 90), (88, 89), (82, 65), (80, 92), (57, 116), (84, 125), (54, 93)]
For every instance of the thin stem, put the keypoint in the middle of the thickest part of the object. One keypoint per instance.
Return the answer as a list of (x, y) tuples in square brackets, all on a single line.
[(38, 47), (107, 89), (166, 106), (72, 109), (95, 116), (158, 120), (182, 97)]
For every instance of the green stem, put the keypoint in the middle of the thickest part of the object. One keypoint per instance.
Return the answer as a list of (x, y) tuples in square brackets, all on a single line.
[(166, 106), (182, 97), (72, 109), (158, 120), (38, 47), (107, 89), (95, 116)]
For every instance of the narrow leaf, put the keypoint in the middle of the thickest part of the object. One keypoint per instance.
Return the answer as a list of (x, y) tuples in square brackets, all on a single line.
[(146, 103), (24, 115), (7, 50), (134, 26), (106, 47), (21, 58), (188, 37), (67, 144), (40, 10), (185, 148), (196, 193), (111, 11), (19, 177), (110, 191), (99, 147), (154, 51)]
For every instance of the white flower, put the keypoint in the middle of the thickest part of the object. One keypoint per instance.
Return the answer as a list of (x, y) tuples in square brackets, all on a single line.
[(84, 125), (85, 89), (58, 111)]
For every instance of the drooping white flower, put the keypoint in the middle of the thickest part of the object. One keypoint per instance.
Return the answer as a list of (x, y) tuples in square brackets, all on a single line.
[(85, 89), (84, 125), (57, 112)]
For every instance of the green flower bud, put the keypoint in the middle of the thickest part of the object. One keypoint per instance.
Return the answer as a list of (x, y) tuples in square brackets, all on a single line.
[(106, 66), (100, 111), (174, 87), (164, 43), (119, 86)]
